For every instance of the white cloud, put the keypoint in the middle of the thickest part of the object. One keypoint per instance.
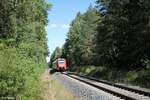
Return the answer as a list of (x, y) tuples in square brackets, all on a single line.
[(65, 26), (62, 26), (53, 26)]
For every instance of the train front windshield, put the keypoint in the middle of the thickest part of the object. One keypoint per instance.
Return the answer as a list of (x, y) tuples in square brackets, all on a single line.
[(61, 62)]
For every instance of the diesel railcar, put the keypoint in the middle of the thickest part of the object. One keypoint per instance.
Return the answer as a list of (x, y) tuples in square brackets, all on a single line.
[(60, 64)]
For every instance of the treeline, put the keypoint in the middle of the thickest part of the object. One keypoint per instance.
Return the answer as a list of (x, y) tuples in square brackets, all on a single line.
[(80, 45), (127, 34), (115, 34), (22, 48)]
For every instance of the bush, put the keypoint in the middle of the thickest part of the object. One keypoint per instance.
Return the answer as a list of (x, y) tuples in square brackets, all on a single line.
[(11, 74), (19, 75)]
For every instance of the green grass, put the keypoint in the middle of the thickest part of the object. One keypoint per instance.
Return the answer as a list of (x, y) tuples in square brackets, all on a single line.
[(135, 77)]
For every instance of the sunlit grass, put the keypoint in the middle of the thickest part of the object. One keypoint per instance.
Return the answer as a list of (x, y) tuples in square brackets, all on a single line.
[(52, 90)]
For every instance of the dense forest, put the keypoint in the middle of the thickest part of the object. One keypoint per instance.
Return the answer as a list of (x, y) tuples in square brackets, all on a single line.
[(114, 38), (23, 48)]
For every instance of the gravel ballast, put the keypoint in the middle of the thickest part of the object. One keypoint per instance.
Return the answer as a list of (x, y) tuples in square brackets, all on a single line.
[(81, 90)]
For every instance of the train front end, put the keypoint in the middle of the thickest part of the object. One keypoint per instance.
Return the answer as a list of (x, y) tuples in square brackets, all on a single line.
[(61, 64)]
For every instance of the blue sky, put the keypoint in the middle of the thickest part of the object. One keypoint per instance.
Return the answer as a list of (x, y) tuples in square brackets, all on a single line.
[(60, 16)]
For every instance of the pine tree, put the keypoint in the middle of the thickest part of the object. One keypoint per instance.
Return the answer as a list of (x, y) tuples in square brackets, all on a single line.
[(129, 24)]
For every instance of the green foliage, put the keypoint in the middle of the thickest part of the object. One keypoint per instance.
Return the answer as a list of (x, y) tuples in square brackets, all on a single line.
[(127, 25), (22, 47), (11, 75), (114, 35), (79, 46), (7, 18)]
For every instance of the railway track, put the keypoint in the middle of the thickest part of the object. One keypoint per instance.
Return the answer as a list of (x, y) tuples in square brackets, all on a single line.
[(123, 92)]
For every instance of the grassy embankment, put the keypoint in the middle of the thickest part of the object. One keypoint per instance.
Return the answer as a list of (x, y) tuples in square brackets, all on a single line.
[(140, 77), (52, 90)]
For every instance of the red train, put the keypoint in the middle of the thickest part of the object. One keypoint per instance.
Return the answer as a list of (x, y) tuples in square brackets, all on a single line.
[(60, 64)]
